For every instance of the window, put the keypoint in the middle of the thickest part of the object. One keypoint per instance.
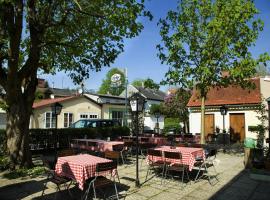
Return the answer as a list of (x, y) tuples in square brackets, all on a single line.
[(49, 120), (88, 116), (68, 119), (118, 115)]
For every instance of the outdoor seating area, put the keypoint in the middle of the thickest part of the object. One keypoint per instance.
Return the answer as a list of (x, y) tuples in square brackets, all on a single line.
[(165, 173)]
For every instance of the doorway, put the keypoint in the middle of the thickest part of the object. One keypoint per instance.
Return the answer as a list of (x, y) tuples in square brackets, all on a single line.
[(237, 127)]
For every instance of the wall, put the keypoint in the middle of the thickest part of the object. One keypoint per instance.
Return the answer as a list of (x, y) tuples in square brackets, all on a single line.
[(76, 106), (250, 120), (106, 109)]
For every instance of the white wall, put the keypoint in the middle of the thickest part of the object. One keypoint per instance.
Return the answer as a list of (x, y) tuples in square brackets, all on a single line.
[(150, 122), (250, 120)]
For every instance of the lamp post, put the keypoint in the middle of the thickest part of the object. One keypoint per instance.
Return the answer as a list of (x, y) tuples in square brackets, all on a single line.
[(157, 115), (223, 111), (137, 105), (268, 103), (56, 110)]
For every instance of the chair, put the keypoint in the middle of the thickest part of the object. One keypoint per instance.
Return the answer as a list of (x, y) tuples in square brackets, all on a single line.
[(144, 139), (100, 181), (128, 145), (113, 155), (205, 164), (54, 178), (194, 145), (65, 152), (173, 162), (155, 161), (119, 148)]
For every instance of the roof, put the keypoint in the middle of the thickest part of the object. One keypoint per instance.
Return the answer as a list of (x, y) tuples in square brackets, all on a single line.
[(62, 92), (231, 95), (152, 94), (107, 95), (47, 102)]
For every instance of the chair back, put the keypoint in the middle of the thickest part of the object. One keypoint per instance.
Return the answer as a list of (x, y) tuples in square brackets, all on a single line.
[(172, 155), (212, 153), (107, 166), (112, 154), (82, 143), (153, 152), (118, 147), (128, 143), (147, 145), (194, 145), (65, 152), (144, 139)]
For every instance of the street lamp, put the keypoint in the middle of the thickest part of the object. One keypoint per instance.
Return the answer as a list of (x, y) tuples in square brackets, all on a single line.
[(157, 115), (223, 111), (56, 110), (137, 105)]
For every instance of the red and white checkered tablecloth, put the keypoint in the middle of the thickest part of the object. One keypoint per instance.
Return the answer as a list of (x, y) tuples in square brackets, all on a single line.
[(102, 145), (79, 167), (188, 155)]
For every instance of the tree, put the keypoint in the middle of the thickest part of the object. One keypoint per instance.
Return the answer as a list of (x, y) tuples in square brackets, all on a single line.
[(205, 38), (146, 83), (48, 36), (175, 105), (108, 86)]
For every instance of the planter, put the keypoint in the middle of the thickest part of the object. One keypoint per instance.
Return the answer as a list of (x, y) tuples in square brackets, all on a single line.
[(260, 175)]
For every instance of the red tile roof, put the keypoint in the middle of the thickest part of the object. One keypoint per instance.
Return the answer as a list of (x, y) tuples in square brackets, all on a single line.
[(46, 102), (232, 95)]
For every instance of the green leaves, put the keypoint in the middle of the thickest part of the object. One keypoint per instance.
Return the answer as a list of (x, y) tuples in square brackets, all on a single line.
[(108, 87), (204, 38)]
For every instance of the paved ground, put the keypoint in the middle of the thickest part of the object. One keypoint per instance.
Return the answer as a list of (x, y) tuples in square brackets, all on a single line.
[(234, 183)]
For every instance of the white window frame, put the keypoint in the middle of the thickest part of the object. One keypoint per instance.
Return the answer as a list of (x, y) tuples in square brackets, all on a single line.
[(68, 117), (51, 120), (88, 116)]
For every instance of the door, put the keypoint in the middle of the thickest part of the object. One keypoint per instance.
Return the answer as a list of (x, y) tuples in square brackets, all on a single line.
[(209, 124), (237, 127)]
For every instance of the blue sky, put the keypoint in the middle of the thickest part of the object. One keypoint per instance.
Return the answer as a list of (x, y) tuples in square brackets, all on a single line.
[(140, 54)]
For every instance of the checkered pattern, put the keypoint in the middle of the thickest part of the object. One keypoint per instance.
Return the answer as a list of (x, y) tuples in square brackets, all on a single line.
[(80, 167), (102, 145), (189, 155), (158, 140)]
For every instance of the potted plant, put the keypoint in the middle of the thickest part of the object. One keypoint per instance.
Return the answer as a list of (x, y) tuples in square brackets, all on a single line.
[(217, 129)]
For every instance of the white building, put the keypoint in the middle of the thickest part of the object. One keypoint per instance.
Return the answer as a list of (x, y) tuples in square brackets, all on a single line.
[(152, 97), (242, 109)]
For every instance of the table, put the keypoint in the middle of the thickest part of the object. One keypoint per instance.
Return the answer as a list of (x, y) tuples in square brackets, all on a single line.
[(79, 167), (189, 155), (102, 145)]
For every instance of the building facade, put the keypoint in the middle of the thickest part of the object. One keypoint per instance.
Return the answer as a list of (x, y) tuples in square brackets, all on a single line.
[(242, 105)]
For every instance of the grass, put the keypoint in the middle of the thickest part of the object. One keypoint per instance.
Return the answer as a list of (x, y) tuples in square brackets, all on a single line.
[(23, 172)]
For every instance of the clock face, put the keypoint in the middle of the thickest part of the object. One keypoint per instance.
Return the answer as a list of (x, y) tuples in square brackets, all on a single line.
[(116, 78)]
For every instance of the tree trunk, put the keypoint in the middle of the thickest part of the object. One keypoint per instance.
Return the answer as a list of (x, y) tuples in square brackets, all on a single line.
[(17, 131), (202, 119)]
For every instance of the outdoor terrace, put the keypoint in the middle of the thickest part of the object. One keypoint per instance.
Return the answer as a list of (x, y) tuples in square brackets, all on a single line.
[(234, 183)]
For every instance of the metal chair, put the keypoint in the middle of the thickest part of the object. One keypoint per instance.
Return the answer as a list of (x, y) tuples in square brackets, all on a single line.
[(100, 181), (154, 161), (205, 164), (54, 178), (120, 148), (173, 162)]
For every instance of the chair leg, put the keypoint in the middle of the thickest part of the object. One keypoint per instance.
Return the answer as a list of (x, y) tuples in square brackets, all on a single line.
[(116, 192), (94, 190), (43, 191)]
